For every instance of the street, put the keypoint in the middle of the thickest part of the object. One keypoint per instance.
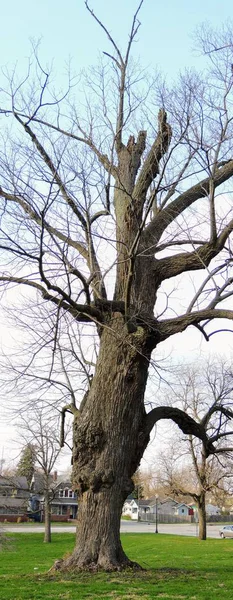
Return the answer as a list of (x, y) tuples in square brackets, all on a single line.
[(126, 527), (176, 529)]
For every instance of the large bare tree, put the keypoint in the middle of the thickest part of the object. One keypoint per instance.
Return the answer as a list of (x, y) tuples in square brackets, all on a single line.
[(99, 210)]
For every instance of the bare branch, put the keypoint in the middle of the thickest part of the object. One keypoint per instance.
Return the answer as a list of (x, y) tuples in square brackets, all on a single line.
[(182, 419), (168, 327), (150, 168), (81, 312), (108, 165), (68, 408), (200, 258), (37, 218), (161, 221), (217, 408), (54, 172), (106, 31)]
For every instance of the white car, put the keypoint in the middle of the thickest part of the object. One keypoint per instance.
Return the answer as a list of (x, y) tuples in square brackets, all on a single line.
[(226, 531)]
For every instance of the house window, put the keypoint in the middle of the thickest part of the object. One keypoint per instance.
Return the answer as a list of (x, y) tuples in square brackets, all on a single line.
[(66, 493), (55, 510)]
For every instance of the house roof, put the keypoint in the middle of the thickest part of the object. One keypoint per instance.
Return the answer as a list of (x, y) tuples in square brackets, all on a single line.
[(62, 485), (56, 501), (142, 503), (17, 481), (37, 484), (167, 500), (149, 501), (6, 502), (64, 501)]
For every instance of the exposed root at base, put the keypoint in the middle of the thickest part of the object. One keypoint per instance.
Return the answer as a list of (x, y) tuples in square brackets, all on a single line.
[(69, 566)]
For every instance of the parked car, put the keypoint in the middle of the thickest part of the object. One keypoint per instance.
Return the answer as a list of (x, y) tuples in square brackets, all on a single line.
[(226, 531)]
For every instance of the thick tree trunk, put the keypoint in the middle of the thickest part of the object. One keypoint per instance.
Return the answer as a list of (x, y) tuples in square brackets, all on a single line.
[(109, 441), (202, 516), (47, 518), (98, 544)]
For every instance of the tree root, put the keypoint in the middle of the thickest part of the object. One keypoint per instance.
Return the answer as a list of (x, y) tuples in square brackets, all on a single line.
[(71, 565)]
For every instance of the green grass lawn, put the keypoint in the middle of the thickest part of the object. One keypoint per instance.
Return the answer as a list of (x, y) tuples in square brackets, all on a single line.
[(177, 568)]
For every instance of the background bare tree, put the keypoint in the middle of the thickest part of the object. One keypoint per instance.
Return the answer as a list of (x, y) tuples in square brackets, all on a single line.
[(43, 433), (100, 210), (206, 393)]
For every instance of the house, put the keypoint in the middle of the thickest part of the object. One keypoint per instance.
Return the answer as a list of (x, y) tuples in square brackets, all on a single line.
[(144, 507), (182, 510), (136, 509), (130, 508), (14, 497), (168, 506), (64, 503), (139, 509), (211, 510), (63, 500)]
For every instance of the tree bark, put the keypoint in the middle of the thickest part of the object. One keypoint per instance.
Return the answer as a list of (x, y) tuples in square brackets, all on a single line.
[(109, 441), (201, 516), (47, 517)]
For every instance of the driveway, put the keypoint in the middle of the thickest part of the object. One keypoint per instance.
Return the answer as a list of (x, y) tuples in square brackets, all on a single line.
[(126, 527)]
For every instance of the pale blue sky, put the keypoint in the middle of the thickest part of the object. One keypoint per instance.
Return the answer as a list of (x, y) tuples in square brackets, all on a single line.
[(67, 29)]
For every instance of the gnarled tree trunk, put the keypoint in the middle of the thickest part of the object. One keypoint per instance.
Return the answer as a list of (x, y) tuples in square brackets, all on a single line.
[(108, 445)]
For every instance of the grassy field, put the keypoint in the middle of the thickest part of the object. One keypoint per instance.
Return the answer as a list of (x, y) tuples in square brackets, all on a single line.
[(177, 568)]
